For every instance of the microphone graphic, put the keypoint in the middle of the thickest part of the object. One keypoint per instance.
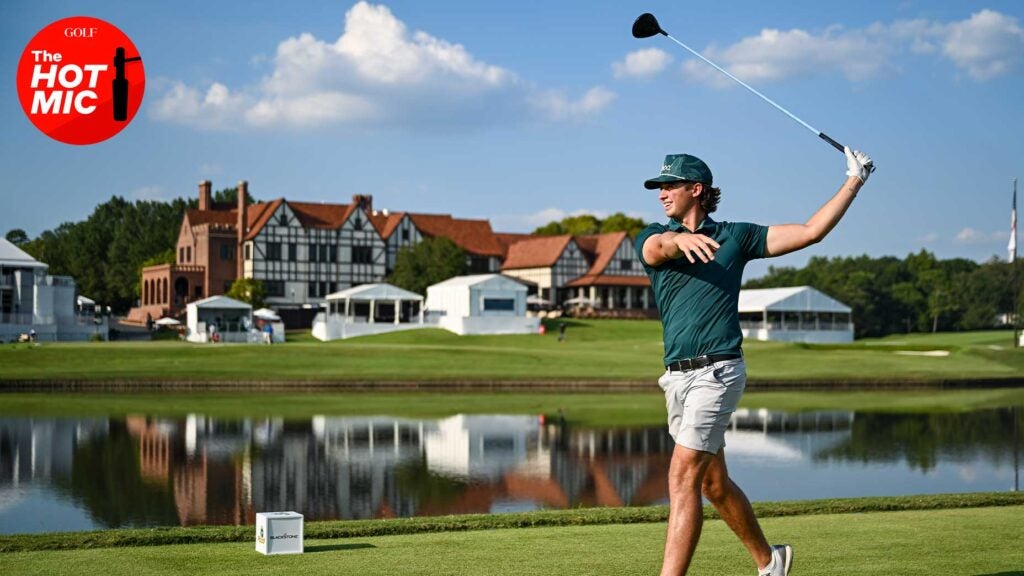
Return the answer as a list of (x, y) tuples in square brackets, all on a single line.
[(121, 85)]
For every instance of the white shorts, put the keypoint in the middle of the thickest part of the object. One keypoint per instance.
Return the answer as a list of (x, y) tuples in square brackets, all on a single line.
[(700, 403)]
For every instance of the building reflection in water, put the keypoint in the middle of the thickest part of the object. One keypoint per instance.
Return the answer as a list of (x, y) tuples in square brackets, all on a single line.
[(198, 470)]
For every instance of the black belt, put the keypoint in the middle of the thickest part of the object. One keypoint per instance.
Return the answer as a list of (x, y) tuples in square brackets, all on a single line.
[(700, 362)]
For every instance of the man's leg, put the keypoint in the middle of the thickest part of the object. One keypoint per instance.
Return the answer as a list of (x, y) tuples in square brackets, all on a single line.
[(686, 514), (735, 509)]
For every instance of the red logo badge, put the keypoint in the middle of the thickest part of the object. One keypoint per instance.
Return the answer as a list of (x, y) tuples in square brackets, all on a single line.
[(80, 80)]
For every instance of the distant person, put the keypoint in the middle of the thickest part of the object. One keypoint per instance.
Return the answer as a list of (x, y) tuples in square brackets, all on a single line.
[(561, 331), (695, 266), (268, 333), (32, 335), (149, 322)]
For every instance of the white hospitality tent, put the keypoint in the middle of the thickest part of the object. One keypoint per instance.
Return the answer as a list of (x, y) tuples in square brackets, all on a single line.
[(268, 316), (355, 312), (795, 314), (229, 319), (481, 304)]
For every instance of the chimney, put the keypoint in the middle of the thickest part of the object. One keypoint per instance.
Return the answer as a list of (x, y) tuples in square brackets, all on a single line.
[(205, 186), (364, 201), (243, 188)]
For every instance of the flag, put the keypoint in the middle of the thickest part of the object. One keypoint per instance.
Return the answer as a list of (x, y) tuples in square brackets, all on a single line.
[(1012, 246)]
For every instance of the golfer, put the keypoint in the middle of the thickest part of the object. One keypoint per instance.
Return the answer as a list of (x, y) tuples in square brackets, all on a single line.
[(695, 265)]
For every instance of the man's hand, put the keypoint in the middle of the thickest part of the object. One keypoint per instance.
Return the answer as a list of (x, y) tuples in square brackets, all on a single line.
[(857, 164), (695, 245)]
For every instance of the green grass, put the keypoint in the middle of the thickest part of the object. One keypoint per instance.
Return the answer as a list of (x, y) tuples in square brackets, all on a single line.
[(972, 542), (597, 410), (596, 351)]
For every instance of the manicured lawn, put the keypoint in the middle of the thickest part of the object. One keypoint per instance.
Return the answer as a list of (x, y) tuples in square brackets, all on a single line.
[(609, 409), (972, 542), (604, 350)]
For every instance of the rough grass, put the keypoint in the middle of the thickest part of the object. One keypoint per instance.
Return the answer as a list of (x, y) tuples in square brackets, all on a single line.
[(596, 350), (969, 542)]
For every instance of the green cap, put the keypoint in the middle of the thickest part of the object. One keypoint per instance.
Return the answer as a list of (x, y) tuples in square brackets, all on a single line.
[(680, 167)]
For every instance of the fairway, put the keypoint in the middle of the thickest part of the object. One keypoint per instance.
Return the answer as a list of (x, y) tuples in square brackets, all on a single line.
[(971, 542), (596, 351)]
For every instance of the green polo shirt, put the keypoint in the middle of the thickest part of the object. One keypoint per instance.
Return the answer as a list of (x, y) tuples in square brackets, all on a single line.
[(699, 302)]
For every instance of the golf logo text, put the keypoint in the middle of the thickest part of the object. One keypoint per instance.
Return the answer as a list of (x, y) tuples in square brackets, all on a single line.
[(260, 538), (80, 80)]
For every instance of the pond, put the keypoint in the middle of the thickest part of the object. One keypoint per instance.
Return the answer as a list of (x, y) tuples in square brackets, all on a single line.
[(63, 474)]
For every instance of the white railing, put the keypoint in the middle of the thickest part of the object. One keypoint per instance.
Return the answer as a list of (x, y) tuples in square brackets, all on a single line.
[(796, 326)]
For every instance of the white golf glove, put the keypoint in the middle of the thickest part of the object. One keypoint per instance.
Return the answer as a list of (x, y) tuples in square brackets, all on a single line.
[(857, 164)]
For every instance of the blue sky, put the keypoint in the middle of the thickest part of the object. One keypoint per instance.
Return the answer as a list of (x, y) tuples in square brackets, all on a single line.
[(525, 112)]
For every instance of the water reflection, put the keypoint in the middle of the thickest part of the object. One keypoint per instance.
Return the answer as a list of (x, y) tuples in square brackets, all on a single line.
[(65, 474)]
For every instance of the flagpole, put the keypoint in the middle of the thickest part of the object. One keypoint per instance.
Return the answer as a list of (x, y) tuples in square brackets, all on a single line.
[(1013, 268)]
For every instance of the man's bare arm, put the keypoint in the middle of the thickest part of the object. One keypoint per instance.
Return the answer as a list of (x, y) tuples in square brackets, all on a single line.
[(786, 238), (661, 248)]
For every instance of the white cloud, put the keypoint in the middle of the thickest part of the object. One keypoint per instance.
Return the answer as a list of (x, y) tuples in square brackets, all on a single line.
[(559, 107), (985, 45), (217, 109), (148, 193), (375, 72), (928, 238), (972, 236), (642, 64)]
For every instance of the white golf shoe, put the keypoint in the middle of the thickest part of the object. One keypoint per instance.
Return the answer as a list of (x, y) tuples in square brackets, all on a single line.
[(781, 563)]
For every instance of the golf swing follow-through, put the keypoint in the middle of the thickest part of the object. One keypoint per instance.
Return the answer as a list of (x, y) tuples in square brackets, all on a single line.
[(695, 265)]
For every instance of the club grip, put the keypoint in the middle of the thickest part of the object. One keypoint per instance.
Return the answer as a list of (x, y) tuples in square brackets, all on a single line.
[(834, 144)]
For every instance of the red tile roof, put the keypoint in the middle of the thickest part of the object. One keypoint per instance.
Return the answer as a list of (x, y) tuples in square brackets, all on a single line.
[(200, 217), (536, 252), (315, 215), (600, 249), (473, 236), (257, 216), (386, 224), (509, 238)]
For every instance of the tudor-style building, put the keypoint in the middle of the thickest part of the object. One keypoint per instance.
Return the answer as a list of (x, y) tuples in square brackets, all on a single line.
[(602, 269)]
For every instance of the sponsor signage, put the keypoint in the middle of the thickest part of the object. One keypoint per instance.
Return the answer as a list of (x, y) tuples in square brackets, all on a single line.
[(279, 533)]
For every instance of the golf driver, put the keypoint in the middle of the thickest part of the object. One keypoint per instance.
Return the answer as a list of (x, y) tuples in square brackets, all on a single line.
[(646, 25)]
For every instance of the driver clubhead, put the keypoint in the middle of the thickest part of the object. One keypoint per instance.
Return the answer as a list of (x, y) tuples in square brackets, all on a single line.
[(646, 25)]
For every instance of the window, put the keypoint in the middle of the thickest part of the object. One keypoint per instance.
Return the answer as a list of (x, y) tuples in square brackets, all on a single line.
[(499, 305), (323, 252), (197, 292), (227, 286), (275, 288), (273, 250), (479, 265), (188, 254), (626, 264), (312, 290), (332, 253), (181, 254), (313, 253), (227, 252), (283, 220), (405, 234), (362, 254), (323, 289), (358, 224), (292, 252), (248, 253)]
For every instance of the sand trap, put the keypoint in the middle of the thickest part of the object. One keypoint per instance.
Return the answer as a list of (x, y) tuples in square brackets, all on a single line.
[(932, 353)]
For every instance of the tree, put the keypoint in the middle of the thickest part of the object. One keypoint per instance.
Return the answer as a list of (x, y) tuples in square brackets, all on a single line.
[(588, 224), (250, 291), (230, 196), (619, 222), (18, 237), (431, 261)]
